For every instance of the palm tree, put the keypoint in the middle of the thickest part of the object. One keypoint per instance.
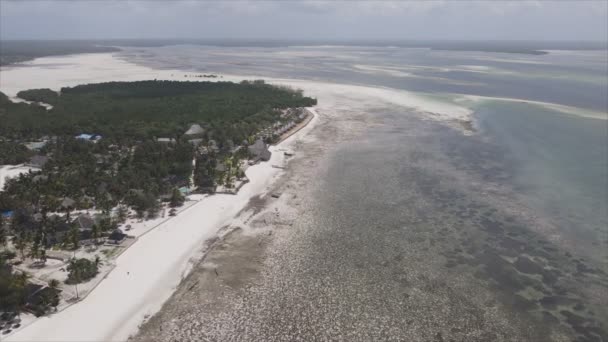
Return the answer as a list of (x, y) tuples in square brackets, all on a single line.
[(20, 281), (177, 199), (20, 243), (74, 237), (220, 179), (68, 211), (54, 284), (228, 163), (103, 202), (3, 236), (237, 169), (36, 245), (95, 232), (77, 277), (23, 277), (43, 254), (122, 213), (228, 180), (34, 250)]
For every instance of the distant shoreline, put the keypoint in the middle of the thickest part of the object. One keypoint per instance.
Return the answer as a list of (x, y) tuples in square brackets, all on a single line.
[(18, 51)]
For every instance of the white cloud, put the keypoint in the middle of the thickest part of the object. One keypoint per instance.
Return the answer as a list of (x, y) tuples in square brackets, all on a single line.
[(507, 7), (440, 19)]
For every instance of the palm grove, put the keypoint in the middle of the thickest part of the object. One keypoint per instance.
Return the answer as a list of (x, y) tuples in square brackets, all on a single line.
[(117, 146)]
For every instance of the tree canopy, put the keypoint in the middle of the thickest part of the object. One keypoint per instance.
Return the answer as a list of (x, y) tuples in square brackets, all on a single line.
[(146, 108), (120, 145)]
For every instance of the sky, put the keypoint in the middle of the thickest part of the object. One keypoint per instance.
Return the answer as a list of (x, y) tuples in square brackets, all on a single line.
[(305, 20)]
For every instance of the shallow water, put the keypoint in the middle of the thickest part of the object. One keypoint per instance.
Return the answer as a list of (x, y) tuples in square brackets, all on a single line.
[(561, 168), (414, 231), (558, 162), (574, 78), (473, 205), (501, 235)]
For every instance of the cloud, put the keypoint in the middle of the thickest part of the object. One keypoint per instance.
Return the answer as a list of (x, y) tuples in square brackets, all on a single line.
[(364, 8), (507, 7), (305, 19)]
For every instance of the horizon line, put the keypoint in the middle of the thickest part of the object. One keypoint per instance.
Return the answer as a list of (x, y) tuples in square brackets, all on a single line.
[(367, 40)]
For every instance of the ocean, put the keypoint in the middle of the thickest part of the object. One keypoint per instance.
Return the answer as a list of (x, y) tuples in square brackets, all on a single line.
[(418, 231), (400, 222)]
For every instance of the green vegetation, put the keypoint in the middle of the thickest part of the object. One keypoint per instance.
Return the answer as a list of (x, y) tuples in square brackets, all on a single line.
[(128, 165), (81, 270), (18, 293), (39, 95), (177, 199), (140, 110), (13, 153), (120, 146), (12, 287)]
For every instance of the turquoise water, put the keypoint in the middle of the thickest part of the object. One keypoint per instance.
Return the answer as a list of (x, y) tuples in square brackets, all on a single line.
[(560, 168)]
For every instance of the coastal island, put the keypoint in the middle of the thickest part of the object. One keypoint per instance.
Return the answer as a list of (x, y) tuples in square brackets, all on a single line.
[(103, 159)]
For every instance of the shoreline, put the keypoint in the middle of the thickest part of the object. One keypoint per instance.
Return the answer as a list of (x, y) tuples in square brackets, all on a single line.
[(147, 273), (123, 317), (123, 301), (364, 279), (236, 257)]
